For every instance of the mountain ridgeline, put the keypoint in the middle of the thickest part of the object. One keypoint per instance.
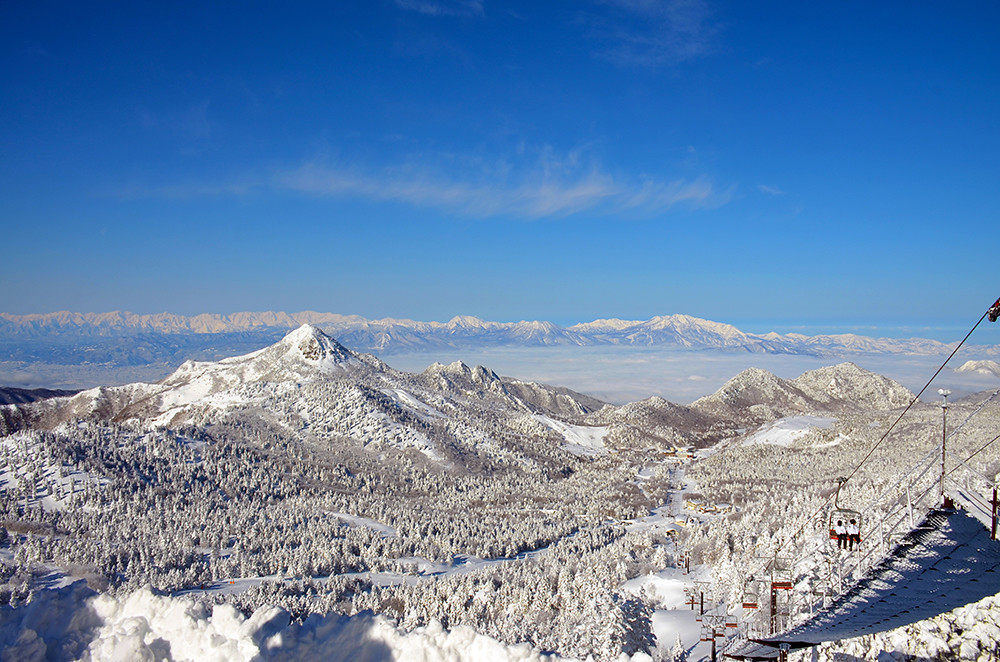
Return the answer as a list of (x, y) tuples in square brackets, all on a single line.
[(131, 339), (308, 381)]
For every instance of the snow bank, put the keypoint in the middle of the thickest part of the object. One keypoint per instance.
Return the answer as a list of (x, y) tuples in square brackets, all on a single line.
[(74, 623), (666, 587)]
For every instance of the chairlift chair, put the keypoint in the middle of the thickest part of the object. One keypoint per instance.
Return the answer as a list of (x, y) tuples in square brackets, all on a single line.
[(841, 514)]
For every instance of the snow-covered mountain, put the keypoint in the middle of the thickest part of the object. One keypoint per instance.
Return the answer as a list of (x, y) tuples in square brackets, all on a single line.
[(985, 367), (161, 335), (675, 330), (309, 383), (758, 396), (753, 398)]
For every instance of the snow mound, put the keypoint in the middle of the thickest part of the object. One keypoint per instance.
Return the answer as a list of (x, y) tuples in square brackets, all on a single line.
[(665, 587), (74, 623)]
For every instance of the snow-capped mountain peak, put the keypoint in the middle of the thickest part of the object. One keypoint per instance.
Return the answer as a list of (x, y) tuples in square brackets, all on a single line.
[(305, 355), (468, 322), (301, 354), (312, 345), (985, 367)]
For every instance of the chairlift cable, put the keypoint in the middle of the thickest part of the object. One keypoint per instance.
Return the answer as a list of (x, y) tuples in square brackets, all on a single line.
[(891, 427), (968, 418), (916, 398), (992, 312), (981, 449)]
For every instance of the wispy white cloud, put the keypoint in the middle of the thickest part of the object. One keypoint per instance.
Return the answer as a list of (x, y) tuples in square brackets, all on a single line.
[(701, 192), (443, 7), (655, 33), (770, 190), (554, 186), (530, 184)]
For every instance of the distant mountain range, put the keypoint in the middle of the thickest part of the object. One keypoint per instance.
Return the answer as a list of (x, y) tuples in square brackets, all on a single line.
[(167, 337)]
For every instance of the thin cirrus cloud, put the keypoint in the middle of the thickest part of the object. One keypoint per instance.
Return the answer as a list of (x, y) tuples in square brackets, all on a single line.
[(549, 186), (770, 190), (443, 7), (546, 194), (654, 33)]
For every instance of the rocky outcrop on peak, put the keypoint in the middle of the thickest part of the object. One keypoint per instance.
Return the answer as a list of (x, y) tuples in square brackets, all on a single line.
[(555, 401), (532, 397)]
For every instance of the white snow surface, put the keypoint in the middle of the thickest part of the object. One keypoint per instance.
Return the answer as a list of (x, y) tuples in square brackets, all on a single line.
[(785, 431), (580, 439), (673, 618), (667, 587), (409, 401), (73, 623)]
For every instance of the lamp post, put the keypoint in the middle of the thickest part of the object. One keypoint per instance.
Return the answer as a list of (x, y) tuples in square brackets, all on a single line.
[(944, 433)]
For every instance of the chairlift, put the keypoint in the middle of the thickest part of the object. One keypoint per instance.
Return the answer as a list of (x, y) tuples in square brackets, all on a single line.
[(843, 516)]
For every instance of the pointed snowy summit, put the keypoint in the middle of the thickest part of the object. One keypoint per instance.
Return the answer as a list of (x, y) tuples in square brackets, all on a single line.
[(313, 345)]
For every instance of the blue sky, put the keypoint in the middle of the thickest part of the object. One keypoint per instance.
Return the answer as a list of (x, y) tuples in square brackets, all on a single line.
[(765, 164)]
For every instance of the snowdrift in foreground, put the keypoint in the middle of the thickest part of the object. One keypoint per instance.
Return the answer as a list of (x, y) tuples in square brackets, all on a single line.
[(75, 623)]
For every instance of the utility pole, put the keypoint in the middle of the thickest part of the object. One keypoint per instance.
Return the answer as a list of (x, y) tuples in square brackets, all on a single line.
[(995, 503), (944, 435)]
